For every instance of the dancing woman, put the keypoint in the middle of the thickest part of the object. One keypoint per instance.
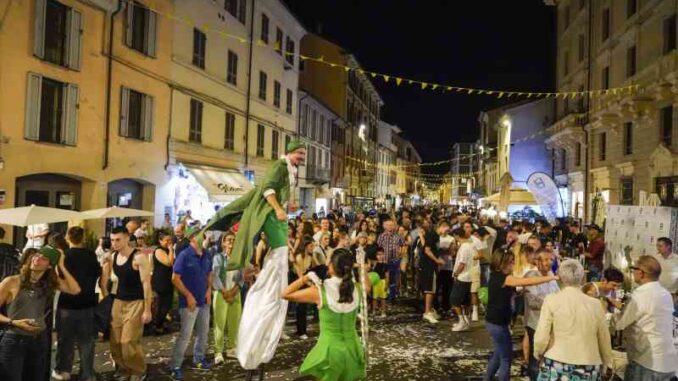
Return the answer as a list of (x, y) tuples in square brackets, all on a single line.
[(338, 355)]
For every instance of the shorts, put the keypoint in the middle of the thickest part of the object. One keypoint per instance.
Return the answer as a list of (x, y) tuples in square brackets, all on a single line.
[(379, 290), (428, 281), (475, 280), (461, 293)]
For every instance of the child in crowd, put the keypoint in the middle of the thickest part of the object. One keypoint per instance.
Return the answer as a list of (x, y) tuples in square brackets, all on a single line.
[(379, 290)]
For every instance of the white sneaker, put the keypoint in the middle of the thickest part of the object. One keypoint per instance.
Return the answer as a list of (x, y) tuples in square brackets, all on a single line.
[(474, 315), (303, 337), (61, 376), (430, 318), (461, 326), (383, 316), (218, 359), (285, 336), (435, 314)]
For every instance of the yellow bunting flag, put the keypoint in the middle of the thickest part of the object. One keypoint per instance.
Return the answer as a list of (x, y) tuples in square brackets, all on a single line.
[(435, 86), (398, 80), (386, 78), (424, 85)]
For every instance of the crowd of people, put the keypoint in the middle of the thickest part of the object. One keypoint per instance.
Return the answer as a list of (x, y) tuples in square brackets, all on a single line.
[(462, 265)]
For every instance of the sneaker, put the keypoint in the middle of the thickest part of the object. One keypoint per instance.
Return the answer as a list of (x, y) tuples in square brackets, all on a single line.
[(61, 376), (177, 374), (218, 359), (202, 365), (303, 337), (461, 326), (430, 318), (435, 314), (232, 353), (383, 316), (474, 315), (285, 336)]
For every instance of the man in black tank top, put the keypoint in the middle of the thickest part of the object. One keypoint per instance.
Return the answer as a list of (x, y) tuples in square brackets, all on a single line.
[(132, 305)]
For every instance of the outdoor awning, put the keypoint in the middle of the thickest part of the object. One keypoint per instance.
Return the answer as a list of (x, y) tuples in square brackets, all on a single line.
[(222, 185), (518, 197)]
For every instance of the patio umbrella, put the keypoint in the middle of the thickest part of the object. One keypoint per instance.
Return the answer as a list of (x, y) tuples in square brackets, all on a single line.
[(31, 215), (114, 212)]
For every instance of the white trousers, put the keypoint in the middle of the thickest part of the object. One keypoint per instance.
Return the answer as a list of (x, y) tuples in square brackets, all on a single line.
[(263, 316)]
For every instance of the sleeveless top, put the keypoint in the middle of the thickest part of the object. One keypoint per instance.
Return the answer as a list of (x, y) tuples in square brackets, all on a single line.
[(129, 280), (30, 303), (161, 281)]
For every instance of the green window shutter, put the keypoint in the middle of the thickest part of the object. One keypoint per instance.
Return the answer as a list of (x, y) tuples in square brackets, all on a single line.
[(39, 29), (151, 33), (124, 109), (33, 95), (74, 35), (148, 118), (69, 132)]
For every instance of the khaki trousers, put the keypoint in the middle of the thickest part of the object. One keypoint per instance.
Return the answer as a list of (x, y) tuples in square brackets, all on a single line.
[(127, 329)]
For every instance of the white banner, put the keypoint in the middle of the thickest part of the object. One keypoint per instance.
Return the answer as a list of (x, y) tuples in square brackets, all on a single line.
[(545, 191)]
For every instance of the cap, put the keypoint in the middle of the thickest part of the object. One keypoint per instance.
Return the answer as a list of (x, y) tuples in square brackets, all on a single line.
[(191, 231), (50, 253), (294, 145), (594, 226)]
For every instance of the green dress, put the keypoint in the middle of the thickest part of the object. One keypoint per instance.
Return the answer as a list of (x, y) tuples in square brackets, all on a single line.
[(338, 354)]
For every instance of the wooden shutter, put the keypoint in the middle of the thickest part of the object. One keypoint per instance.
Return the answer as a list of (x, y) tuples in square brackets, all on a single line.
[(33, 96), (124, 110), (151, 33), (129, 30), (74, 29), (39, 29), (147, 132), (69, 130)]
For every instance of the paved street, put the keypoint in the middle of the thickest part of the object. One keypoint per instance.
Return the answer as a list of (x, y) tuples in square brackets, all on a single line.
[(402, 348)]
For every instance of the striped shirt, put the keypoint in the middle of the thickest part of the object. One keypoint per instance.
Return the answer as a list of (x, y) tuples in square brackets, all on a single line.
[(391, 243)]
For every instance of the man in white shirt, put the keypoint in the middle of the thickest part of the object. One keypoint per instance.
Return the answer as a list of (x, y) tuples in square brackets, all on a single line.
[(647, 322), (463, 276), (36, 236), (669, 264)]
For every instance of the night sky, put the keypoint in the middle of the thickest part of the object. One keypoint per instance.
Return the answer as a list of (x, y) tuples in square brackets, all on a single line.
[(485, 44)]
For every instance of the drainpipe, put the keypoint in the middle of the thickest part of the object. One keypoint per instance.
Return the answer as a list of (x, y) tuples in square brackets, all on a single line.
[(587, 140), (169, 129), (249, 85), (109, 75)]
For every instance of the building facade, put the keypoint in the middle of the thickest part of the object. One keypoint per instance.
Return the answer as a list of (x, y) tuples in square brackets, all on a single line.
[(463, 171), (386, 164), (617, 144)]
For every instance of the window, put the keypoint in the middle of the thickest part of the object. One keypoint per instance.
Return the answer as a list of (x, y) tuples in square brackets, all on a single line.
[(631, 61), (274, 144), (262, 85), (631, 7), (289, 49), (199, 45), (605, 24), (51, 111), (667, 189), (279, 41), (237, 8), (260, 140), (669, 34), (276, 94), (232, 74), (195, 122), (57, 30), (321, 129), (314, 124), (563, 159), (581, 47), (626, 191), (287, 141), (602, 146), (303, 126), (666, 125), (566, 63), (136, 115), (264, 28), (578, 155), (605, 78), (140, 28), (628, 138), (288, 101), (229, 135)]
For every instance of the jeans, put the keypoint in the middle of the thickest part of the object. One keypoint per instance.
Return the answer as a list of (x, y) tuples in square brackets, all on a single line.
[(199, 319), (163, 306), (636, 372), (76, 328), (394, 277), (594, 273), (301, 318), (23, 358), (443, 290), (500, 362)]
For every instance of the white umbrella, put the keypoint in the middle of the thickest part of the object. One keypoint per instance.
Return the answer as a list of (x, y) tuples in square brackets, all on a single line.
[(114, 212), (32, 215)]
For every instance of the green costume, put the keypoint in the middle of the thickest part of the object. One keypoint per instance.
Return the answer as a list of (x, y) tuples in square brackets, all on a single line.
[(255, 215), (338, 355)]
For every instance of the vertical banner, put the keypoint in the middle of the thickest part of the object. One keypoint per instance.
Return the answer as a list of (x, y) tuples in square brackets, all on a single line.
[(545, 191)]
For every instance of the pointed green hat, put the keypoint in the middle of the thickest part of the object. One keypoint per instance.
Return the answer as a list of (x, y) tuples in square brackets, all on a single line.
[(294, 145)]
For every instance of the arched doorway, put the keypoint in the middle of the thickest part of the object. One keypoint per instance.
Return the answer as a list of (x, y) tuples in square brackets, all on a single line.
[(128, 193), (47, 189)]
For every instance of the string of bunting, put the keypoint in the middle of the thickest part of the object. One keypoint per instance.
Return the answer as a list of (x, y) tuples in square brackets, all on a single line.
[(397, 80)]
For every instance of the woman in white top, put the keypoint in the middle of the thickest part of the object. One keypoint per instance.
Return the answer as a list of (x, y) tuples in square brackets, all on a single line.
[(572, 337)]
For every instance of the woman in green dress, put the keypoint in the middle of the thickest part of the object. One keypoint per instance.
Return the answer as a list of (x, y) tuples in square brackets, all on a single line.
[(338, 355)]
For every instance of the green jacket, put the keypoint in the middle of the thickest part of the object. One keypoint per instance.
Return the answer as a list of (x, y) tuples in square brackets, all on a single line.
[(251, 210)]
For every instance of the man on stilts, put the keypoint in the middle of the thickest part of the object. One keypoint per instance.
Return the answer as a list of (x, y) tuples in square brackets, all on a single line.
[(263, 209)]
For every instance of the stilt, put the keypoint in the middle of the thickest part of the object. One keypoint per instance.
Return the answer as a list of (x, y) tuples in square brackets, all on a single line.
[(249, 374), (262, 372)]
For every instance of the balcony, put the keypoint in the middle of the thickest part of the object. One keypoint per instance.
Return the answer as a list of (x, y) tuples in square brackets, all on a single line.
[(366, 175), (317, 175)]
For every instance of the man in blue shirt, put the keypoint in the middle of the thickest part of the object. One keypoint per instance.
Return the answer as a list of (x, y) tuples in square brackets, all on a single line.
[(192, 277)]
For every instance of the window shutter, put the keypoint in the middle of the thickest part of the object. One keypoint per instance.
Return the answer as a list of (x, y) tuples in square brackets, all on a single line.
[(39, 29), (130, 23), (69, 131), (148, 118), (151, 36), (33, 95), (75, 26), (124, 109)]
